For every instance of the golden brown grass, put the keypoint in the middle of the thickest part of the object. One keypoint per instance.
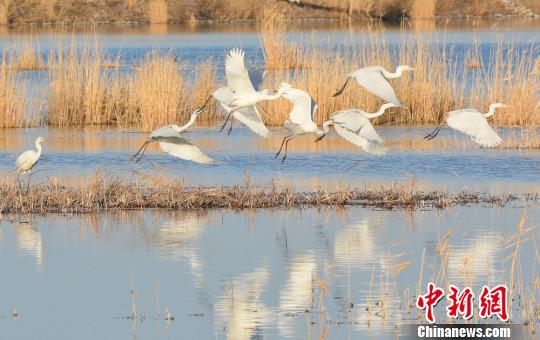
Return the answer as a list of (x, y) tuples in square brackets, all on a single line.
[(157, 12), (102, 192), (435, 86), (11, 96), (4, 12), (156, 90), (422, 9)]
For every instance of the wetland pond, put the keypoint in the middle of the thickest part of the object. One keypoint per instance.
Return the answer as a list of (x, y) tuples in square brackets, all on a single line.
[(329, 273)]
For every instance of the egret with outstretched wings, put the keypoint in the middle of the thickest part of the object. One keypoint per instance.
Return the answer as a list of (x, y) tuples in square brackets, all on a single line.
[(301, 117), (354, 126), (375, 80), (171, 141), (473, 123)]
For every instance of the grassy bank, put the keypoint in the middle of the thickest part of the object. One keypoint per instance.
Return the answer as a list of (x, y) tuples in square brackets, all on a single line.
[(19, 12), (103, 193)]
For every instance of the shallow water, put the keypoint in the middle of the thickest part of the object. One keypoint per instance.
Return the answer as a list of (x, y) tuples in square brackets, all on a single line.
[(252, 274), (450, 162)]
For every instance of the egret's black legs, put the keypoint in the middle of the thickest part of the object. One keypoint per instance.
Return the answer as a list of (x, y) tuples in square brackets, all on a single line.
[(433, 134), (286, 147), (226, 120), (137, 153), (281, 147), (340, 91), (230, 128)]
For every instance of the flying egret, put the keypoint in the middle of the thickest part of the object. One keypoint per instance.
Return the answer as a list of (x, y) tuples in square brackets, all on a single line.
[(300, 121), (28, 159), (171, 141), (375, 80), (354, 126), (249, 116), (239, 82), (472, 123)]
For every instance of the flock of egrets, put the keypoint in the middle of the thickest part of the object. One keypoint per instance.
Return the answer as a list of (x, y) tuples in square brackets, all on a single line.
[(240, 98)]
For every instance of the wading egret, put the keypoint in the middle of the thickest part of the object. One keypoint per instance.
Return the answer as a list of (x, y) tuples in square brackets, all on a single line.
[(472, 123), (375, 80), (300, 121), (171, 141), (354, 126), (28, 159)]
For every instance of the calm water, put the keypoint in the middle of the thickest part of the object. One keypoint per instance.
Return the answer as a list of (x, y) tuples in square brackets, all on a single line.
[(255, 274), (450, 162)]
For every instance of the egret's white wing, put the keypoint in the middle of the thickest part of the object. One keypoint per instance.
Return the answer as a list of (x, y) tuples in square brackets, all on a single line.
[(314, 108), (256, 77), (248, 116), (237, 75), (303, 106), (372, 145), (182, 148), (474, 124), (375, 82)]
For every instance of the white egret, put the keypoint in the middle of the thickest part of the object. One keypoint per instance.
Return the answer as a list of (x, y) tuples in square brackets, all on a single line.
[(239, 82), (300, 121), (354, 126), (375, 80), (249, 116), (28, 159), (472, 123), (171, 141)]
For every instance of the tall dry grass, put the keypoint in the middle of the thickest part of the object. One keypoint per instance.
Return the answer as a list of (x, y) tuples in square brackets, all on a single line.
[(422, 9), (12, 96), (156, 91), (4, 12), (157, 11), (79, 87), (437, 85)]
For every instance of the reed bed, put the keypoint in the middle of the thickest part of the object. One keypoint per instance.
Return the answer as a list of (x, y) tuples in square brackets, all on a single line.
[(103, 193), (12, 97)]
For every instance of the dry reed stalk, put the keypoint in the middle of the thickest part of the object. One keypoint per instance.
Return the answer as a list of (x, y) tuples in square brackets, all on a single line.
[(432, 89), (422, 9), (157, 11), (102, 193), (11, 96), (29, 59), (205, 79), (78, 87), (4, 12), (156, 92)]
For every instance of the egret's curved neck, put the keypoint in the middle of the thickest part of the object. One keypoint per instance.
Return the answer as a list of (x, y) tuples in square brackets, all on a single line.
[(38, 148), (376, 114), (273, 96), (188, 124), (326, 126), (491, 110), (397, 74)]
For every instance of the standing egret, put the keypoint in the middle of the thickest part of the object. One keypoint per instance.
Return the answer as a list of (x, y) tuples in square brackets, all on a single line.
[(472, 123), (239, 82), (375, 80), (301, 117), (28, 159), (354, 126), (171, 141)]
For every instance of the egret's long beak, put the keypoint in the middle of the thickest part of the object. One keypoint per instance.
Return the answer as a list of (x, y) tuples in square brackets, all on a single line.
[(320, 137)]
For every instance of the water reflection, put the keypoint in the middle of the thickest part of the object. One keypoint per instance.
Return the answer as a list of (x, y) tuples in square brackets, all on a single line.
[(239, 310), (29, 242), (269, 274)]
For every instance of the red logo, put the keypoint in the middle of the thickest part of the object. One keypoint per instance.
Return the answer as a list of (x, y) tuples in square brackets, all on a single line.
[(491, 302), (430, 300)]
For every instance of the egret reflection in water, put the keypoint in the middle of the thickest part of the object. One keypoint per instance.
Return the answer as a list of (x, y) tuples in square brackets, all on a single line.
[(239, 308), (29, 242)]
